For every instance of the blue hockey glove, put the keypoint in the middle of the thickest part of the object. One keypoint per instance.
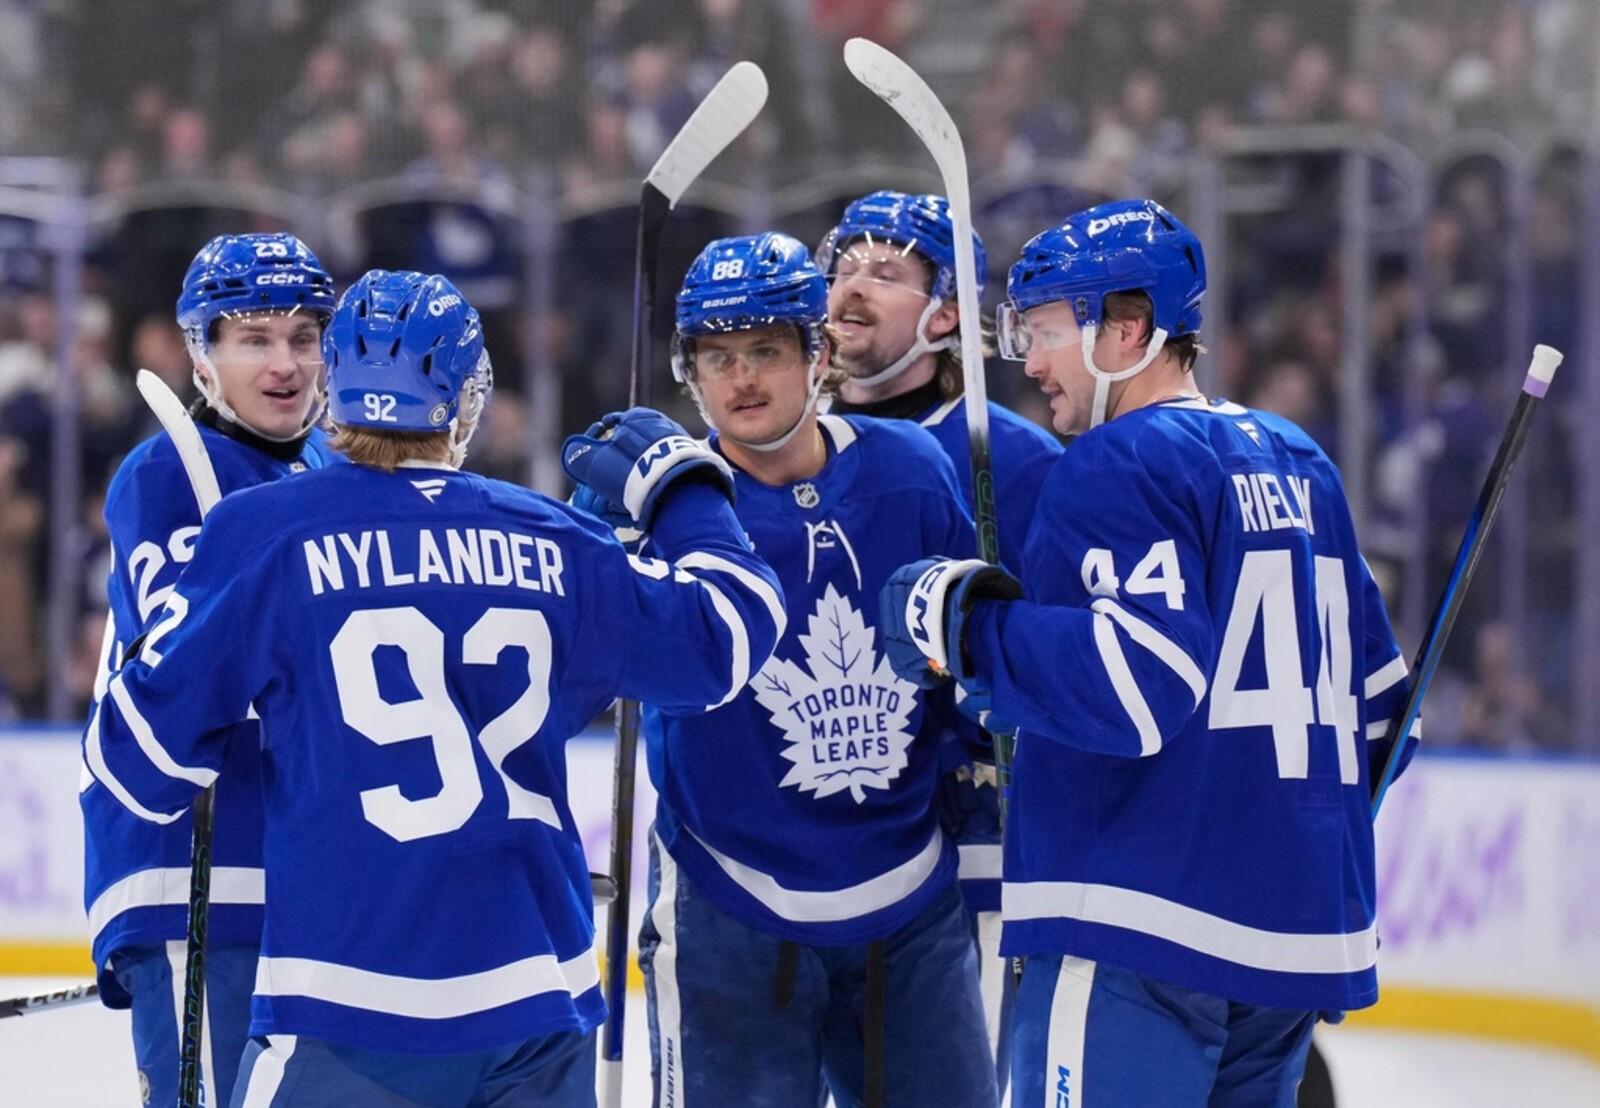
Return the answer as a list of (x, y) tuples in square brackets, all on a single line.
[(633, 458), (923, 609), (614, 516), (978, 707)]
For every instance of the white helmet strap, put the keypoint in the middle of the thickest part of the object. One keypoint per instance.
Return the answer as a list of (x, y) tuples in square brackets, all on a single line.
[(919, 346), (1102, 379)]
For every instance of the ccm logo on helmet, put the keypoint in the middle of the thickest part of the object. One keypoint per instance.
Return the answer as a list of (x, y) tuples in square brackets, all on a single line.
[(1097, 226), (281, 279), (443, 304)]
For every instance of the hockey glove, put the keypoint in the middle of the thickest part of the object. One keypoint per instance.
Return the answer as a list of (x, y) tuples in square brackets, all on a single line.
[(924, 609), (612, 515), (633, 458), (978, 707)]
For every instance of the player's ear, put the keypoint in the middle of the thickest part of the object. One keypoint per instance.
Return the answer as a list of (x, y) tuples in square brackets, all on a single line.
[(943, 321)]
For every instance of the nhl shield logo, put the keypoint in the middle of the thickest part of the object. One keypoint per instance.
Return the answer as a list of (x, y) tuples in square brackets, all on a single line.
[(805, 495)]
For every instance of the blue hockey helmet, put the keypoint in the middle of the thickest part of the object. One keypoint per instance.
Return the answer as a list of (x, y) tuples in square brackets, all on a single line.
[(739, 284), (404, 353), (1115, 247), (237, 274), (921, 222)]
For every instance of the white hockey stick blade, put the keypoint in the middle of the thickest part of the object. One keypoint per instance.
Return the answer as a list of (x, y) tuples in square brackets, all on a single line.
[(191, 451), (721, 117), (898, 85)]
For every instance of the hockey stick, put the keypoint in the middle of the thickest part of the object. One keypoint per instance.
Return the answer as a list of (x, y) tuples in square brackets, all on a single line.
[(1540, 370), (43, 1002), (721, 117), (203, 480), (898, 85)]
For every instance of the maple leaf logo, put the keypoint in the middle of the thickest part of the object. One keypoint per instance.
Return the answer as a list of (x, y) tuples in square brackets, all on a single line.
[(847, 720)]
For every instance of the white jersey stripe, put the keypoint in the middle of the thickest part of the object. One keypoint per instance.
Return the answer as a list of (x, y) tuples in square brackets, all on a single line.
[(1156, 643), (427, 998), (1386, 677), (150, 888), (1276, 951), (96, 759), (768, 595), (738, 642), (834, 905), (1127, 689), (153, 750)]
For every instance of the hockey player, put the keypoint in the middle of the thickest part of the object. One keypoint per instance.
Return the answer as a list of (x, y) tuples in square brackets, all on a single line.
[(1196, 657), (804, 923), (892, 269), (252, 311), (419, 644)]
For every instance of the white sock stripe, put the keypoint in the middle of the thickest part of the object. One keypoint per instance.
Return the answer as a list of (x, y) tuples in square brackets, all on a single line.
[(1067, 1030), (1176, 658), (1127, 689), (266, 1075), (669, 1007)]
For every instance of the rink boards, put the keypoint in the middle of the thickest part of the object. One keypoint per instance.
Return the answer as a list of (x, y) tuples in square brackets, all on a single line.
[(1489, 870)]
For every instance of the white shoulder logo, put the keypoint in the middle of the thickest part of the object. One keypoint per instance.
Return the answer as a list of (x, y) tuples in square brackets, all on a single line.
[(847, 720)]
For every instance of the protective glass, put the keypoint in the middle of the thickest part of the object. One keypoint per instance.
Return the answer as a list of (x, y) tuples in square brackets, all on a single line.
[(867, 258), (770, 355), (1016, 337)]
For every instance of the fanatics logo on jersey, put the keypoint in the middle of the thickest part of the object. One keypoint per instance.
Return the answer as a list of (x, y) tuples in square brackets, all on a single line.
[(805, 495), (1250, 429), (431, 488), (847, 720)]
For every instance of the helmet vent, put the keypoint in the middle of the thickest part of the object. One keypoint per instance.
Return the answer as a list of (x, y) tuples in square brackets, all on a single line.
[(1188, 252), (405, 310), (427, 364), (394, 349)]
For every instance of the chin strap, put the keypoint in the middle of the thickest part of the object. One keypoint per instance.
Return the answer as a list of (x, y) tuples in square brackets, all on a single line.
[(918, 348), (1102, 379)]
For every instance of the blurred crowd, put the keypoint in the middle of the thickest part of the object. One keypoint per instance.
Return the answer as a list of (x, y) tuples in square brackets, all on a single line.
[(432, 134)]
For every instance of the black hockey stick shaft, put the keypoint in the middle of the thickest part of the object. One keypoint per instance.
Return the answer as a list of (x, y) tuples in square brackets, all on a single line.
[(653, 208), (1534, 385), (49, 1002)]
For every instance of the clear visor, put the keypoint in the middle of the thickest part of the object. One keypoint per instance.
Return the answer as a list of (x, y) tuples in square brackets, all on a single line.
[(771, 353), (1016, 337), (876, 260), (254, 339)]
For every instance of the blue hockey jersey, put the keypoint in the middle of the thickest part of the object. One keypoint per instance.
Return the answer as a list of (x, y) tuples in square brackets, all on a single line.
[(1202, 671), (1021, 455), (419, 646), (136, 874), (806, 807)]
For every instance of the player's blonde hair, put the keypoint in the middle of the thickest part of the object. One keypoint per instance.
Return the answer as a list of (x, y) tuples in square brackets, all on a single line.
[(386, 450)]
